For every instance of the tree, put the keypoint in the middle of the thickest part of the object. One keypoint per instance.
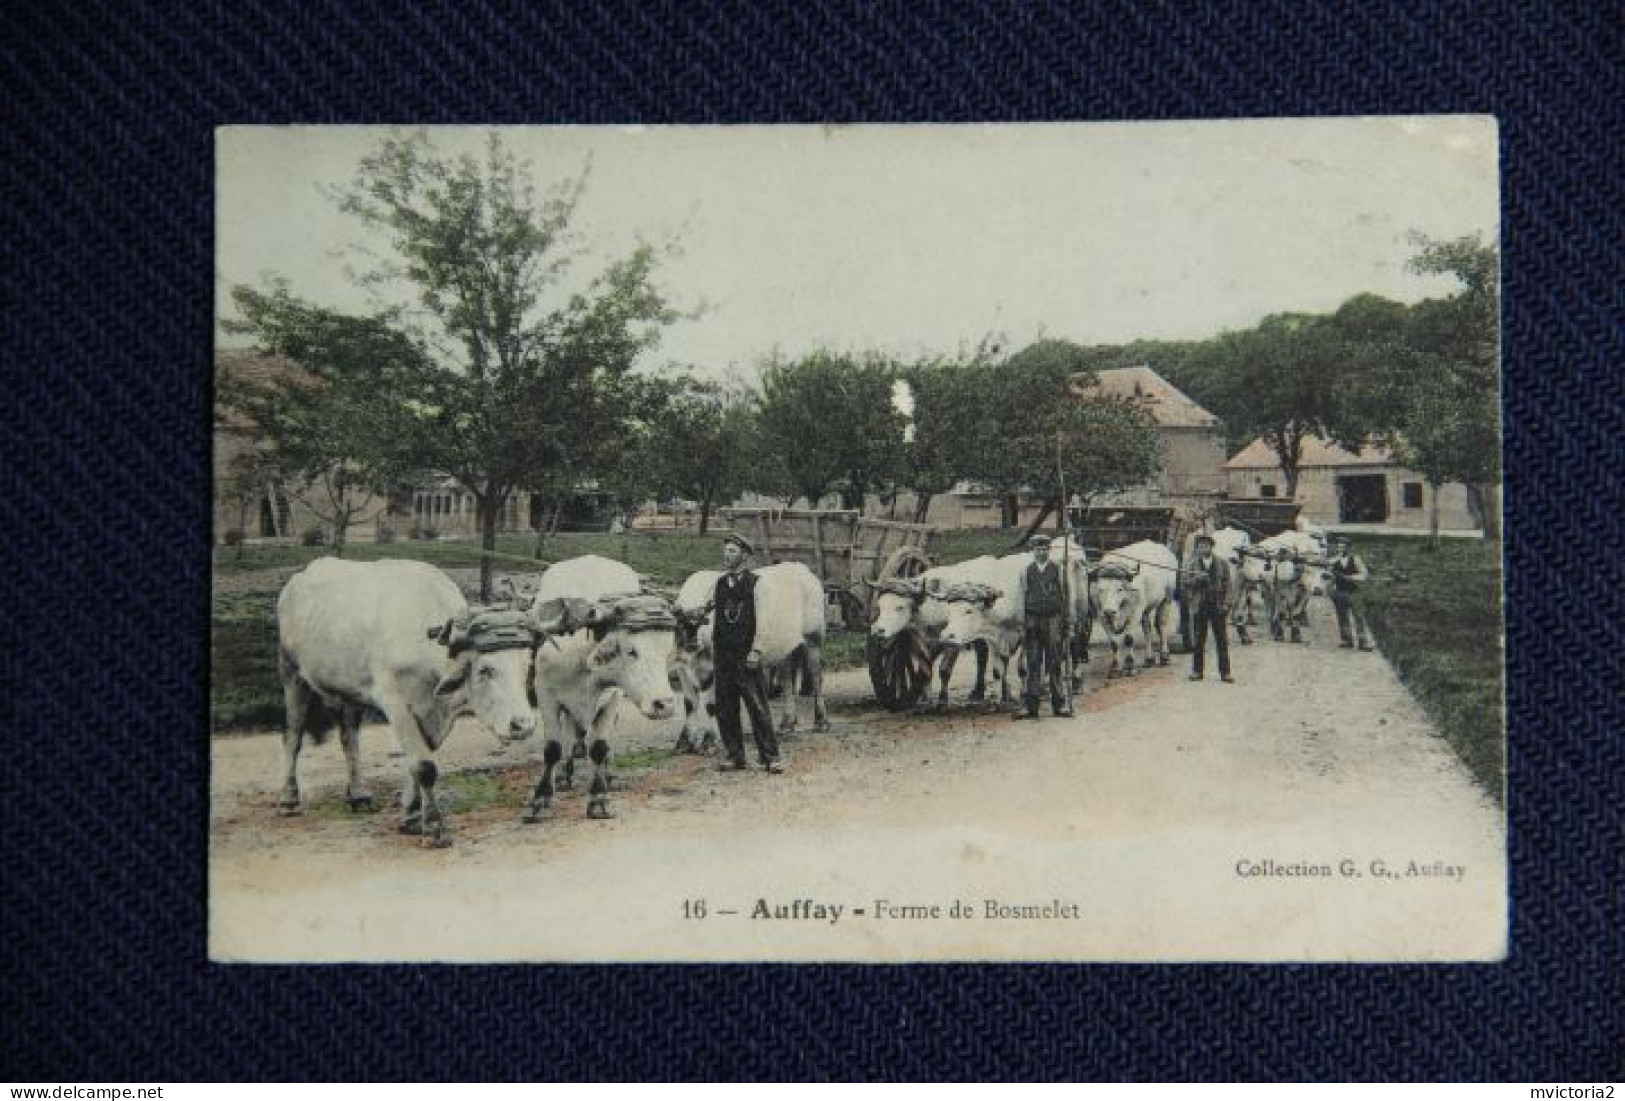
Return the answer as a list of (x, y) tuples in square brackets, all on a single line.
[(831, 422), (1448, 423), (1048, 424), (946, 412), (513, 379), (1283, 381), (330, 428), (701, 444)]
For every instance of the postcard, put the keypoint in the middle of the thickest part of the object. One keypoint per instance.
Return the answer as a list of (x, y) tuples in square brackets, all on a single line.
[(889, 544)]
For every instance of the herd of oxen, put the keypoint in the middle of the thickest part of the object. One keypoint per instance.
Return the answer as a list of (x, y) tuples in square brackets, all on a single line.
[(566, 651)]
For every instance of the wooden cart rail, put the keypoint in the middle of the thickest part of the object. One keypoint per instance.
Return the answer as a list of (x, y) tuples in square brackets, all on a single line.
[(1262, 516)]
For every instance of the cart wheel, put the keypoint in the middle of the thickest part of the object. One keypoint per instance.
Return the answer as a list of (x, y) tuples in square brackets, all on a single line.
[(899, 670), (905, 562)]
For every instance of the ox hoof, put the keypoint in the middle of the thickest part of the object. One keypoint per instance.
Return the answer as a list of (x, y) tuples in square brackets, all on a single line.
[(412, 827), (821, 726), (360, 803), (289, 810), (436, 840), (1165, 661), (684, 745), (598, 809)]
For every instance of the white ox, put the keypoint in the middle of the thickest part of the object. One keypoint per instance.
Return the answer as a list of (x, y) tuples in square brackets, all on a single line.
[(988, 605), (606, 642), (1292, 566), (790, 627), (917, 603), (397, 636), (1133, 590)]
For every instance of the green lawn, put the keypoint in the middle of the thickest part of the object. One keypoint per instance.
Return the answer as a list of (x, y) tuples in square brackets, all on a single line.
[(1437, 618)]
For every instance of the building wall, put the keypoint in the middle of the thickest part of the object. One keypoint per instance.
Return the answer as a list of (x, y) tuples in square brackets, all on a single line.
[(1317, 493)]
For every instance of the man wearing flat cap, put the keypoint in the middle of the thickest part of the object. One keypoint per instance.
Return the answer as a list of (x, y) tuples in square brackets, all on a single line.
[(1209, 591), (738, 662), (1045, 600)]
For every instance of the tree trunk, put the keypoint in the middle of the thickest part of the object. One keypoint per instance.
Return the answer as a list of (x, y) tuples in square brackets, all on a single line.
[(705, 514), (1485, 504), (1012, 511), (341, 527), (489, 505), (922, 506), (1289, 473), (1433, 518)]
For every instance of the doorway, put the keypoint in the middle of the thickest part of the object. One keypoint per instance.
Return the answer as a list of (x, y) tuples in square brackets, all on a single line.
[(1362, 498)]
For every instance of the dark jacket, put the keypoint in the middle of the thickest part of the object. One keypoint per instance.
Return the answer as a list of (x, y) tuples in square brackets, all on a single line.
[(1348, 574), (1212, 586), (735, 599), (1044, 596)]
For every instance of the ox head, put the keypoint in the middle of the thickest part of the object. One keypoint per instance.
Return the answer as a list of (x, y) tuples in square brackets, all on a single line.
[(897, 600), (690, 621), (969, 607), (634, 639), (1113, 592), (1257, 567), (490, 653)]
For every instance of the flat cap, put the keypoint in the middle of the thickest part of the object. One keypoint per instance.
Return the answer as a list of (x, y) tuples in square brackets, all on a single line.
[(1204, 537), (1038, 541), (739, 541)]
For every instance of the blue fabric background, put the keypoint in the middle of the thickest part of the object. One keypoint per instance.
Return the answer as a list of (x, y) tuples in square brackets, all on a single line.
[(107, 333)]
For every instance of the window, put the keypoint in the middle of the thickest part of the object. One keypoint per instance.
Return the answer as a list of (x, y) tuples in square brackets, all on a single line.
[(1413, 494), (1267, 490)]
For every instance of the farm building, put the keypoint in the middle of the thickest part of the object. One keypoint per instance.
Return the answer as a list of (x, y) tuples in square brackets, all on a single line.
[(1189, 439), (1341, 487), (1190, 443)]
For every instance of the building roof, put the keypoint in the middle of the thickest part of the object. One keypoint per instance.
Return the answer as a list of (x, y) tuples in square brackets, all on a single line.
[(1167, 405), (1316, 453)]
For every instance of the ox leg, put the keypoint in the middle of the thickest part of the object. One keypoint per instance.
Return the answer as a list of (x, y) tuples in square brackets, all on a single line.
[(422, 809), (1159, 620), (1001, 673), (786, 675), (292, 739), (541, 797), (978, 691), (947, 659), (815, 677), (578, 751), (350, 738), (598, 790)]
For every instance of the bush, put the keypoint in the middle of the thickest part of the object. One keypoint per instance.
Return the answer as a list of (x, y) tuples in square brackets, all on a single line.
[(313, 537), (233, 537), (386, 533), (425, 533)]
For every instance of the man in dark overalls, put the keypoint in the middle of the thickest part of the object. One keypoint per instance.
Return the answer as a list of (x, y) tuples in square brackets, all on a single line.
[(1348, 575), (1208, 590), (1041, 635), (738, 676)]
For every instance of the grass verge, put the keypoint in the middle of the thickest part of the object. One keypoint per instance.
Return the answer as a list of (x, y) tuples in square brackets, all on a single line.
[(1437, 617)]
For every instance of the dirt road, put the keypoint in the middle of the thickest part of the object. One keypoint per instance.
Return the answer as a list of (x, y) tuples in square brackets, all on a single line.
[(1308, 812)]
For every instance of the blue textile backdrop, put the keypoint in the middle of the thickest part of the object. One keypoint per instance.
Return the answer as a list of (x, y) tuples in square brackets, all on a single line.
[(110, 109)]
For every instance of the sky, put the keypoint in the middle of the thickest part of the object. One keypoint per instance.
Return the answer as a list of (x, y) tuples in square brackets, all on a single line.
[(924, 240)]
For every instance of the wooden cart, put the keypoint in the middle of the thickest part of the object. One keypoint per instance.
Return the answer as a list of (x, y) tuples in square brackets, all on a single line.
[(849, 553), (1262, 516)]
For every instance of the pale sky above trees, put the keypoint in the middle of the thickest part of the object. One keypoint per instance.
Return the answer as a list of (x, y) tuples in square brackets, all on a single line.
[(924, 239)]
